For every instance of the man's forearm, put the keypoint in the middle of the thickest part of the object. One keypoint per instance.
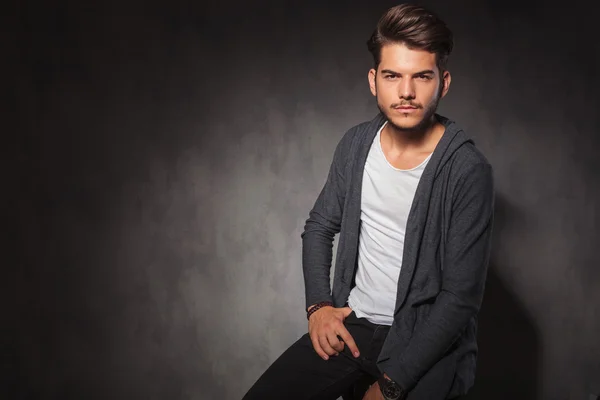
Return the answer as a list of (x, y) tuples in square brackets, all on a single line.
[(317, 254), (323, 223)]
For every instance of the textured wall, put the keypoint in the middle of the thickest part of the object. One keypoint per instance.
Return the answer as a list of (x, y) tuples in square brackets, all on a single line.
[(165, 159)]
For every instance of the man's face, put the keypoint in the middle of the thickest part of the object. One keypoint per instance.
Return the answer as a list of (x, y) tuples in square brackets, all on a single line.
[(408, 78)]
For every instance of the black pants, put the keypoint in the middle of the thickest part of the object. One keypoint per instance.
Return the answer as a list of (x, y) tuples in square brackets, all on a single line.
[(300, 373)]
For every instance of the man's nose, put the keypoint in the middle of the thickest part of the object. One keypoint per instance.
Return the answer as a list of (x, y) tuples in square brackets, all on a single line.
[(406, 89)]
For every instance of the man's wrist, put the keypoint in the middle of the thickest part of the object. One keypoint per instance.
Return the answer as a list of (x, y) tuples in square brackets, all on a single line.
[(315, 307)]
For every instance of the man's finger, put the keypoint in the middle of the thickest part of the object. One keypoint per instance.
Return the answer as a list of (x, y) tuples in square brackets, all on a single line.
[(325, 345), (334, 342), (342, 344), (317, 347), (347, 338)]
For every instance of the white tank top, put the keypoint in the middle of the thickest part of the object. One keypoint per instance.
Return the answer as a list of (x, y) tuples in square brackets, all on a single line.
[(387, 196)]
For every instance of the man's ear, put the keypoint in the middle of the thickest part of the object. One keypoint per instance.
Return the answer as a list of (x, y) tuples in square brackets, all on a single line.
[(446, 79), (371, 76)]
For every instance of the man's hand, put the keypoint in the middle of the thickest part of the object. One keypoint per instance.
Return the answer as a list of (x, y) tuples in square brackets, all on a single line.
[(324, 327), (374, 393)]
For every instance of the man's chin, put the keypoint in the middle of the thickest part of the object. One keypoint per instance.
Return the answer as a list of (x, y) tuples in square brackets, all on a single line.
[(405, 123)]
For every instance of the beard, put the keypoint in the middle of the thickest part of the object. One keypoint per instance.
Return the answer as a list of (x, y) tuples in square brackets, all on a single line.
[(418, 127)]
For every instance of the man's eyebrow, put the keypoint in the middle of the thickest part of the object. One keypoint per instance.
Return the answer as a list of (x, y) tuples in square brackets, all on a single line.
[(424, 72)]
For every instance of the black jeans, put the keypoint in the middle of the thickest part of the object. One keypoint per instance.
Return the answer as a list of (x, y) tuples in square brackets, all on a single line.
[(300, 373)]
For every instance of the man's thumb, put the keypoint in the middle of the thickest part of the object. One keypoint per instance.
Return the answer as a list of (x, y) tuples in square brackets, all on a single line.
[(347, 311)]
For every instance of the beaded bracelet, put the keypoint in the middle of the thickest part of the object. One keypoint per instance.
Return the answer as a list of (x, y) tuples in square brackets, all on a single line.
[(317, 307)]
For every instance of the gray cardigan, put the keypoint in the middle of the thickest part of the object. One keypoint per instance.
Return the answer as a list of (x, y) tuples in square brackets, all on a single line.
[(431, 348)]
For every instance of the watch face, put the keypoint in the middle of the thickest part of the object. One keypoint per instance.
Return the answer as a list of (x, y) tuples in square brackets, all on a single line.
[(391, 391)]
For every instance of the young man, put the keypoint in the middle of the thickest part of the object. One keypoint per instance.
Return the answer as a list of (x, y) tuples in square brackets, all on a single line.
[(412, 199)]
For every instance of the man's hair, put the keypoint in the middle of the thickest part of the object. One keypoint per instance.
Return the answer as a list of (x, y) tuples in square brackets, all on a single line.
[(415, 27)]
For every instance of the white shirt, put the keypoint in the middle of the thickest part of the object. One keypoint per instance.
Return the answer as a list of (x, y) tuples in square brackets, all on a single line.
[(387, 196)]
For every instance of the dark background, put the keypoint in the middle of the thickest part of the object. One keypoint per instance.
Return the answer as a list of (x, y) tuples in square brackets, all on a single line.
[(160, 160)]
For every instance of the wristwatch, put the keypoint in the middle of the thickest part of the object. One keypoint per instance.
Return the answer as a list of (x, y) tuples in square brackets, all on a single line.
[(390, 389)]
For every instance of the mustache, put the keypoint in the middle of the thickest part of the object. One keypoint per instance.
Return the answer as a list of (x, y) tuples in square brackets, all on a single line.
[(405, 105)]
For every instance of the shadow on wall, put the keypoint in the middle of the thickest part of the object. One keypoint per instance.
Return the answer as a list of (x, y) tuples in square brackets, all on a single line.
[(507, 365)]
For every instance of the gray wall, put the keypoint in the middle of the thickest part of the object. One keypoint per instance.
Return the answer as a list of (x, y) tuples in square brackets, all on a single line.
[(164, 160)]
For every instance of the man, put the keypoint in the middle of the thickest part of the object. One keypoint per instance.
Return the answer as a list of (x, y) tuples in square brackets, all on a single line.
[(412, 199)]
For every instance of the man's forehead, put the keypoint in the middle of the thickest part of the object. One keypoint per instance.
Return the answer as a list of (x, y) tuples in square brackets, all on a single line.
[(400, 56)]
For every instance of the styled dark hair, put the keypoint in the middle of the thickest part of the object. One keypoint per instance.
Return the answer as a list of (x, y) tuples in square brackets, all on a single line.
[(415, 27)]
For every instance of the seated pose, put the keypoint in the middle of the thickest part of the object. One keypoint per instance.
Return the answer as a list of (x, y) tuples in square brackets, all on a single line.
[(412, 199)]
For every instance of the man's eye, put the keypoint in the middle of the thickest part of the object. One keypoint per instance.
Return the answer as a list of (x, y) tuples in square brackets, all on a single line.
[(424, 77), (390, 76)]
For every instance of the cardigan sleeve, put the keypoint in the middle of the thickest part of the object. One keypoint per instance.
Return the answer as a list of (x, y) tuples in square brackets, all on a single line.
[(323, 224)]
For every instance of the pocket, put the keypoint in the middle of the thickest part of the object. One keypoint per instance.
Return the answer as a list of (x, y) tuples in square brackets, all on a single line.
[(351, 319)]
